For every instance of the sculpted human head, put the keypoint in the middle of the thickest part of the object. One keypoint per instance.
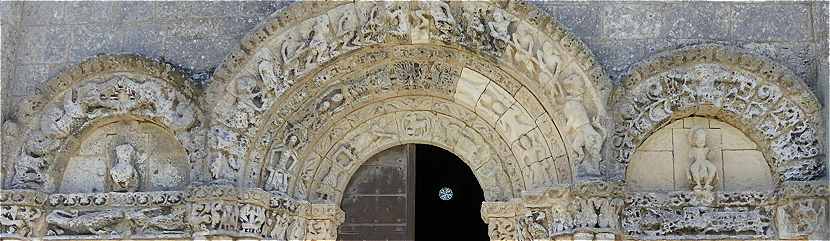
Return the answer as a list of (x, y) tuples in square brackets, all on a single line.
[(698, 137)]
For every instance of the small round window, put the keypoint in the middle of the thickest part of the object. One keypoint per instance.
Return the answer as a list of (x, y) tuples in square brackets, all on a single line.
[(445, 194)]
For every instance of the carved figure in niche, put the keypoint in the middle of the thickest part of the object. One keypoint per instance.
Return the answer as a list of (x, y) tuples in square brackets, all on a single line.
[(445, 23), (125, 177), (702, 172), (283, 162), (561, 221), (532, 226), (279, 225), (266, 69), (537, 165), (316, 44), (72, 222), (251, 218), (400, 21), (521, 42), (586, 216), (609, 212), (29, 171), (289, 51), (497, 25), (222, 169), (158, 219), (474, 26), (548, 63), (420, 32), (585, 140), (415, 124), (372, 31)]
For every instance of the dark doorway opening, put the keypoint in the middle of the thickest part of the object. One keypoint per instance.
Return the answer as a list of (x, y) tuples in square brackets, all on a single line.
[(386, 200), (453, 214)]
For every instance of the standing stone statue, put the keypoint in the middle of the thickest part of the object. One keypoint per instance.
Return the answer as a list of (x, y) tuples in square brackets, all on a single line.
[(585, 136), (282, 165), (702, 172), (125, 177)]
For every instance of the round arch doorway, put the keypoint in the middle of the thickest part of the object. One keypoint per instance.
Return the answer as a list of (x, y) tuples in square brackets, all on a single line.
[(413, 192)]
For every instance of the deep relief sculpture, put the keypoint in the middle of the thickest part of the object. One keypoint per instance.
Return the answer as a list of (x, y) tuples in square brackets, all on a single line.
[(322, 86), (681, 214), (125, 177), (81, 103), (586, 134), (702, 172), (770, 111), (803, 219), (492, 31)]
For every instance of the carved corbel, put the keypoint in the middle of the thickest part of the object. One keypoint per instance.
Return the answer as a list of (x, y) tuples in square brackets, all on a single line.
[(323, 220), (501, 219)]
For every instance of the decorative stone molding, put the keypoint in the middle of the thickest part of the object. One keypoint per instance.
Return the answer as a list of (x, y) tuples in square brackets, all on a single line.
[(21, 213), (762, 99), (320, 87), (100, 91), (539, 64), (604, 211), (203, 212)]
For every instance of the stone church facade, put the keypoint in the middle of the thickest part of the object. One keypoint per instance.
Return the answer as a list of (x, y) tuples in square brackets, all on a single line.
[(705, 141)]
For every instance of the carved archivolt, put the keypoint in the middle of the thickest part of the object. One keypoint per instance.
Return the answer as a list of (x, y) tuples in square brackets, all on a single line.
[(100, 91), (765, 101), (314, 63)]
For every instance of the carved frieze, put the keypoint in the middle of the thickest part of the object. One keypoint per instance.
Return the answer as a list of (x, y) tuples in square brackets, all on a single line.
[(776, 113), (100, 91)]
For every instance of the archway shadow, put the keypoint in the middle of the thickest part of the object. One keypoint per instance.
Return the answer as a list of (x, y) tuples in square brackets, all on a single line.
[(455, 215)]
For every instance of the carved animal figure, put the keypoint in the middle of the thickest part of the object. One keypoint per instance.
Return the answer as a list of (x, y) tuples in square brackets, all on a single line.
[(172, 221), (75, 223), (702, 172), (585, 140)]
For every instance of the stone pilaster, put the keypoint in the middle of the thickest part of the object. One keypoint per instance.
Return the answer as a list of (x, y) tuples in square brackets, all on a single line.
[(501, 219), (322, 221)]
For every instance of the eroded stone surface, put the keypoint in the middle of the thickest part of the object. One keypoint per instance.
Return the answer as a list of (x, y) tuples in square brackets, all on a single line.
[(121, 147)]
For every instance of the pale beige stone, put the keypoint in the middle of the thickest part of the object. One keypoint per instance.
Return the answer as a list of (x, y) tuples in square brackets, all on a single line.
[(493, 103), (551, 134), (470, 86), (734, 139), (693, 122), (682, 161), (530, 103), (85, 174), (746, 170), (677, 124), (515, 122), (659, 141), (650, 171)]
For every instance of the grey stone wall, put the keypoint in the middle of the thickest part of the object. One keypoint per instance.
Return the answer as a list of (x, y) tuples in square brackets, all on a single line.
[(41, 39)]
